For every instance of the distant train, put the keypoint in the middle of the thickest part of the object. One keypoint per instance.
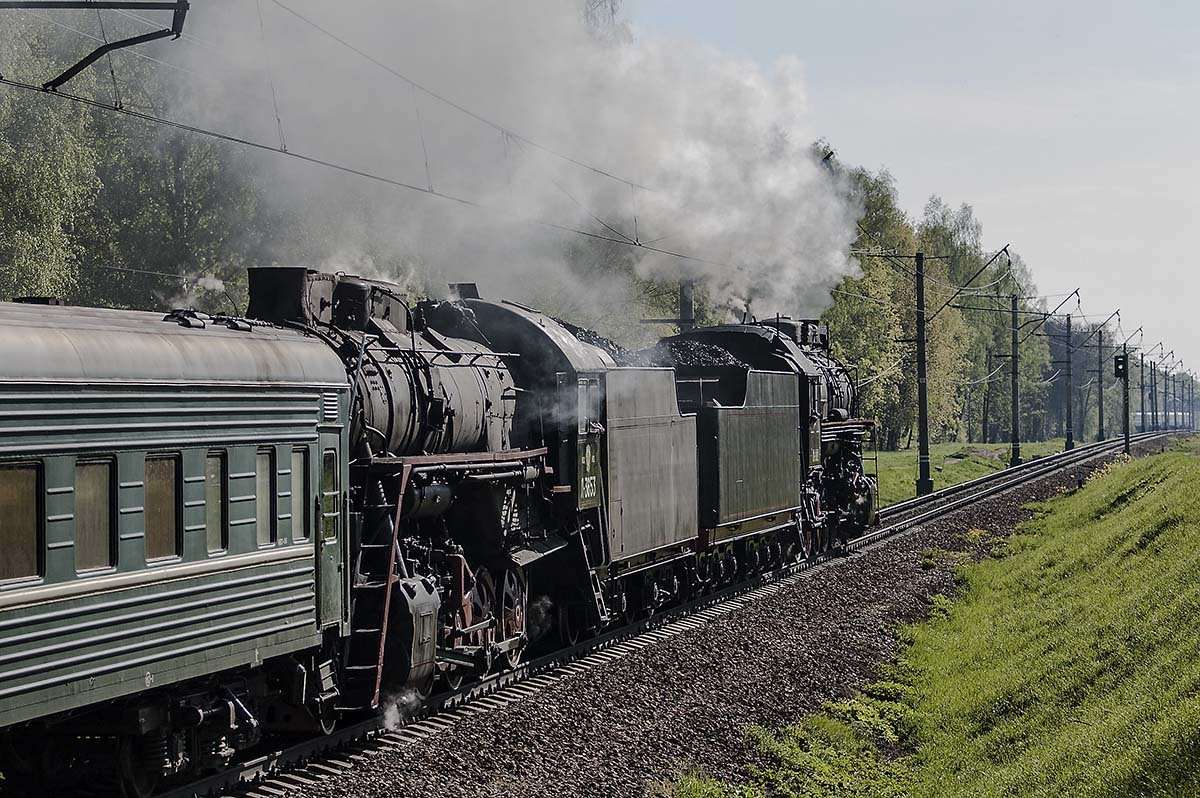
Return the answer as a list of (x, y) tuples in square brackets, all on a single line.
[(219, 528)]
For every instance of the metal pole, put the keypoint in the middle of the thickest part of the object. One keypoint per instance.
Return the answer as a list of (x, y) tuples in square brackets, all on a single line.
[(987, 395), (1169, 404), (924, 479), (1100, 384), (1153, 396), (1125, 396), (1070, 391), (1174, 401), (1015, 435), (687, 304), (1169, 400), (1142, 391)]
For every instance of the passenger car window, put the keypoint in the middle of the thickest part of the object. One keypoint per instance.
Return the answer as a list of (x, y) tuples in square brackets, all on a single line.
[(19, 539), (330, 495), (161, 508), (264, 496), (299, 498), (216, 501), (93, 515)]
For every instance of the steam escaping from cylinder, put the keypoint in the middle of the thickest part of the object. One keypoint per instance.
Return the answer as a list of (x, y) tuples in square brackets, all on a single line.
[(398, 708), (540, 617), (719, 150)]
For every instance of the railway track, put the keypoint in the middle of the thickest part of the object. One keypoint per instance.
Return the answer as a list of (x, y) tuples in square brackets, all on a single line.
[(308, 762)]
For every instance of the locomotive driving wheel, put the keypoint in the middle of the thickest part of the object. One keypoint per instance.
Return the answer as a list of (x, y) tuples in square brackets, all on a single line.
[(511, 614), (480, 605), (808, 542)]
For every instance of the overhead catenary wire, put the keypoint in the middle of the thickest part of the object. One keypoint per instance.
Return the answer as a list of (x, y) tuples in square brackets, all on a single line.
[(895, 259), (112, 72), (172, 276), (978, 290), (1095, 330), (1046, 316), (895, 366), (258, 145), (876, 300), (959, 290), (981, 380), (262, 33), (589, 212), (457, 106)]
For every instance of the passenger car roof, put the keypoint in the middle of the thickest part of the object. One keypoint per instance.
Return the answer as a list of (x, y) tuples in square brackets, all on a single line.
[(73, 344)]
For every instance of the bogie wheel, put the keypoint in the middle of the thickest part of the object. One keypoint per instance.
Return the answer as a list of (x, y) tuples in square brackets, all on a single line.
[(511, 599), (136, 779), (730, 566), (633, 600), (327, 718), (571, 620)]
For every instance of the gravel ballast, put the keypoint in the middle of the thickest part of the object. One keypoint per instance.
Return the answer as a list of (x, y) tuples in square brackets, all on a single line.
[(625, 727)]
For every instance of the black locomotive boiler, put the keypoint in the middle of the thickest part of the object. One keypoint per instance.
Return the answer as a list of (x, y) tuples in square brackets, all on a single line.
[(216, 529)]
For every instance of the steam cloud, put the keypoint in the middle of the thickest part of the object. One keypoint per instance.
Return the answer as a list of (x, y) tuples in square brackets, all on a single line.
[(398, 708), (722, 143)]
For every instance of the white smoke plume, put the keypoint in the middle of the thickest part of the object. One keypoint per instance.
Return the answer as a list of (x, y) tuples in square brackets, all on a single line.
[(399, 708), (722, 145)]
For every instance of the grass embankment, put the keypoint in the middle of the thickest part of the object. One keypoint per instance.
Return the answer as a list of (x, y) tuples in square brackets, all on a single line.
[(1069, 664), (959, 462)]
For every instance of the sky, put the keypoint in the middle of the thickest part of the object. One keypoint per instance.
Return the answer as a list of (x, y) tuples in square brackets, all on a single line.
[(1071, 127)]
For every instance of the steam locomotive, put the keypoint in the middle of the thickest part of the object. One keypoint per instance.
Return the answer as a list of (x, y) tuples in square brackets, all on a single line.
[(216, 528)]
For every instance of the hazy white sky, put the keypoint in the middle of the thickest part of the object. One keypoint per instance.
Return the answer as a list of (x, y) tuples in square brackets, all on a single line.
[(1072, 127)]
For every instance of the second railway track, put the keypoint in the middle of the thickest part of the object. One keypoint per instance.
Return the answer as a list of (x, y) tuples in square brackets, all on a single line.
[(307, 763)]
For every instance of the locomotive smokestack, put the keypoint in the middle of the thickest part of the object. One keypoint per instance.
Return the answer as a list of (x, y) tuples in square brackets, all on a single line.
[(282, 294)]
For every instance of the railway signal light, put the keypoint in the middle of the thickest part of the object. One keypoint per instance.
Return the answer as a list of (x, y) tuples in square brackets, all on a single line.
[(1121, 366)]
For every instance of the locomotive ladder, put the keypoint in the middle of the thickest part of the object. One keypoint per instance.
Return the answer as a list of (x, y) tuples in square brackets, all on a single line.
[(375, 578), (594, 580)]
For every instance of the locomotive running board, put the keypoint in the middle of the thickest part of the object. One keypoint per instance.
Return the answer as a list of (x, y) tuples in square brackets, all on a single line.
[(458, 459)]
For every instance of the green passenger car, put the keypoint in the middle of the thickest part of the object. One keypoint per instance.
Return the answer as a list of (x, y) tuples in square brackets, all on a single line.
[(172, 506)]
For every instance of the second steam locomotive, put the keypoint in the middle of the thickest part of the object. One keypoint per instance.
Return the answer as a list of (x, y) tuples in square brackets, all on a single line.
[(217, 528)]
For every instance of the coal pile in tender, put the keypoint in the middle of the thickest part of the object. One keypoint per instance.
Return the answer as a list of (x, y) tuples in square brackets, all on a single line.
[(620, 355), (684, 353)]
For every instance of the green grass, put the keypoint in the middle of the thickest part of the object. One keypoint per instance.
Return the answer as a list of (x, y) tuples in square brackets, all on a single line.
[(1069, 665), (959, 462)]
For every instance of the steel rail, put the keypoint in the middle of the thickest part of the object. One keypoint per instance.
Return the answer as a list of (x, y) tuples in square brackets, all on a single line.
[(267, 774), (908, 504)]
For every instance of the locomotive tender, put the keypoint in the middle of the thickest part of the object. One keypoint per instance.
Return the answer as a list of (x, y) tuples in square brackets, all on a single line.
[(215, 528)]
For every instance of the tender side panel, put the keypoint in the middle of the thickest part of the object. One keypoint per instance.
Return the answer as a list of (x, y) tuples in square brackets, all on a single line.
[(749, 461), (651, 448)]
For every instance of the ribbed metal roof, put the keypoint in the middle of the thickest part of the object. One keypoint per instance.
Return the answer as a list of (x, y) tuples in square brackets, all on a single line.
[(41, 342)]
